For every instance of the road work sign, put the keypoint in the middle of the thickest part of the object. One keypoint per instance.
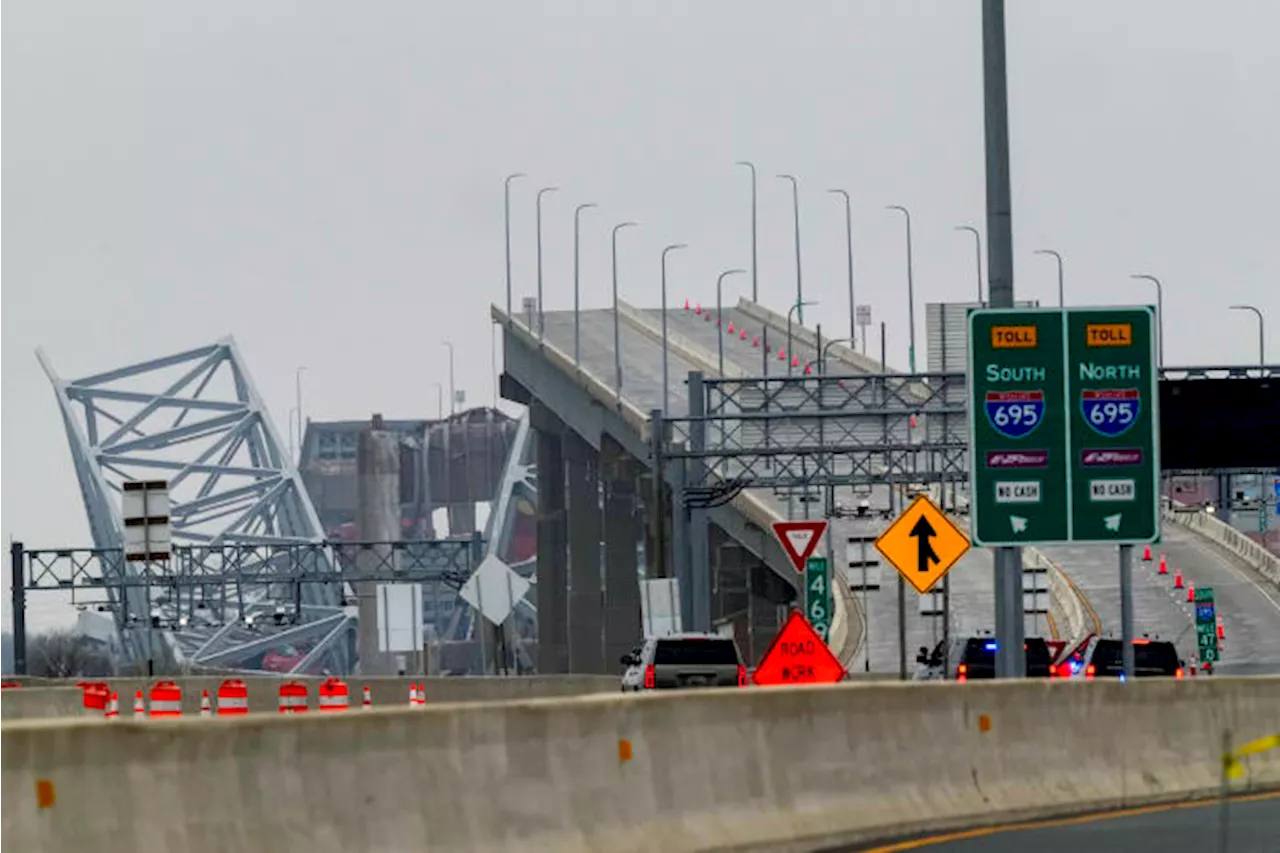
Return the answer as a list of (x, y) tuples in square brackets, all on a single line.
[(923, 544), (798, 656)]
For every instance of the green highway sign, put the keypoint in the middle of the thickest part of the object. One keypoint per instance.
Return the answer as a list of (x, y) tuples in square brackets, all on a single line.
[(1206, 626), (1063, 426), (817, 595)]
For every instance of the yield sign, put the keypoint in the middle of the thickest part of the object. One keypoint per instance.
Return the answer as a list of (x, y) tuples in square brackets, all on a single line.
[(798, 656), (799, 539), (923, 544)]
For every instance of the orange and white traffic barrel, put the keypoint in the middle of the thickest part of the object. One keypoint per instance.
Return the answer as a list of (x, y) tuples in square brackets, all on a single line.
[(166, 699), (334, 695), (233, 698), (93, 695), (112, 711), (293, 698)]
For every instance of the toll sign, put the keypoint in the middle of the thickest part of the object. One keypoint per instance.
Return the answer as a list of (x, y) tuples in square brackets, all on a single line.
[(798, 656)]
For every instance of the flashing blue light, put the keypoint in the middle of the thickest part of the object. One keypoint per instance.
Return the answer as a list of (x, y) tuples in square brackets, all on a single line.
[(1122, 677), (991, 647)]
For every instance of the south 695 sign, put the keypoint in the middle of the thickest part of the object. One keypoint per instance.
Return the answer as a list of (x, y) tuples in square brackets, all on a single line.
[(1014, 414)]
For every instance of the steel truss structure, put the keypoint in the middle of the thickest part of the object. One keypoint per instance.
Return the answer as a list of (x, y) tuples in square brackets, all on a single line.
[(195, 419), (803, 432), (239, 601)]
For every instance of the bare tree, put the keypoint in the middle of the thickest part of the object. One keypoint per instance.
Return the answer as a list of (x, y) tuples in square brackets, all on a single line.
[(64, 654)]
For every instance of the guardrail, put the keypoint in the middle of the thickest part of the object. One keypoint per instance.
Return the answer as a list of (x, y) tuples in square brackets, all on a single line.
[(1215, 530)]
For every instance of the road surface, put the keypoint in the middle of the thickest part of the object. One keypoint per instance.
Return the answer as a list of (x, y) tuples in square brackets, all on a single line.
[(1253, 826)]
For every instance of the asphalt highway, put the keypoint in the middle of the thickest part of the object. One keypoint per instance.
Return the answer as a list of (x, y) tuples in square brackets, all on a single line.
[(1253, 826)]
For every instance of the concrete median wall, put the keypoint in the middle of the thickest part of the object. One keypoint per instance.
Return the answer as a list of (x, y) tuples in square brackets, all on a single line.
[(682, 771), (43, 702)]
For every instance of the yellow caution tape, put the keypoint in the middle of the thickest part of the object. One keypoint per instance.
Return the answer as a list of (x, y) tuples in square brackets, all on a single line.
[(1231, 760)]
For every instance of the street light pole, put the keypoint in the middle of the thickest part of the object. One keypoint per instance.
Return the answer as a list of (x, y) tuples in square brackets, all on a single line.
[(665, 374), (506, 218), (911, 292), (795, 206), (1159, 308), (538, 227), (617, 334), (1262, 340), (297, 400), (977, 253), (1058, 258), (790, 313), (848, 248), (577, 307), (755, 281), (719, 320), (453, 395), (826, 350)]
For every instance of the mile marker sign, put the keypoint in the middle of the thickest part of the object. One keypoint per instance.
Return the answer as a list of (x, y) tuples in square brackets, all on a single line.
[(799, 539), (798, 656)]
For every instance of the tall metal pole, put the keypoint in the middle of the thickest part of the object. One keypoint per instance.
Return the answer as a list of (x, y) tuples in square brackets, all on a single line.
[(755, 269), (1061, 299), (1126, 610), (1159, 308), (297, 400), (1010, 660), (617, 334), (911, 292), (795, 206), (719, 321), (666, 376), (506, 219), (848, 248), (18, 601), (538, 228), (577, 300), (977, 253), (453, 394), (1262, 339)]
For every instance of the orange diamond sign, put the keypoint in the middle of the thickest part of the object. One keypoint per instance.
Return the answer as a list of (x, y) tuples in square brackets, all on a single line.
[(923, 544), (798, 656)]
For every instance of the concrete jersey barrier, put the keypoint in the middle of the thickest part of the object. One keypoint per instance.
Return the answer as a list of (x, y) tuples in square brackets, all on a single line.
[(1227, 537), (699, 770)]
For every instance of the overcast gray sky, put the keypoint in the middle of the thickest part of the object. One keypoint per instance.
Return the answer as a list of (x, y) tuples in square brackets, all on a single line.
[(323, 180)]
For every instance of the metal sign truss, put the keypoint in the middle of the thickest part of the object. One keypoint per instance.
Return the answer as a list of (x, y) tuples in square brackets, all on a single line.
[(802, 432), (785, 432), (224, 604)]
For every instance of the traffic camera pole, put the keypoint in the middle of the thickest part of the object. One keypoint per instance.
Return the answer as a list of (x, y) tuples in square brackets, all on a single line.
[(1010, 661)]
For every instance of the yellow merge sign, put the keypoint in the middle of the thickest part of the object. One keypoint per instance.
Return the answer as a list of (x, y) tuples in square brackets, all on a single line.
[(923, 544)]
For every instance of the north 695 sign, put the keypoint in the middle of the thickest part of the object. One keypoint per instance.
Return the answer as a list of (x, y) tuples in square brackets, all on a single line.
[(1063, 425)]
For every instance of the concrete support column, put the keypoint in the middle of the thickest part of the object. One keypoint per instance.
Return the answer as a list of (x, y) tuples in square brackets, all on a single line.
[(586, 621), (622, 628), (377, 520), (553, 638)]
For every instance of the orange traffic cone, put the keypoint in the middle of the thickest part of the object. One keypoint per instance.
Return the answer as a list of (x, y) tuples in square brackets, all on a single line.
[(686, 305), (112, 710), (1146, 553), (1222, 634), (795, 361), (1177, 578), (697, 309), (742, 334), (755, 341), (206, 707), (706, 316), (139, 704), (1191, 592), (731, 329), (808, 369), (782, 355), (1164, 566), (366, 700)]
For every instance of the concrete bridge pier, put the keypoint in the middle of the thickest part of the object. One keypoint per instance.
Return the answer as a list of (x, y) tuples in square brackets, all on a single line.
[(586, 625), (622, 532), (552, 559)]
